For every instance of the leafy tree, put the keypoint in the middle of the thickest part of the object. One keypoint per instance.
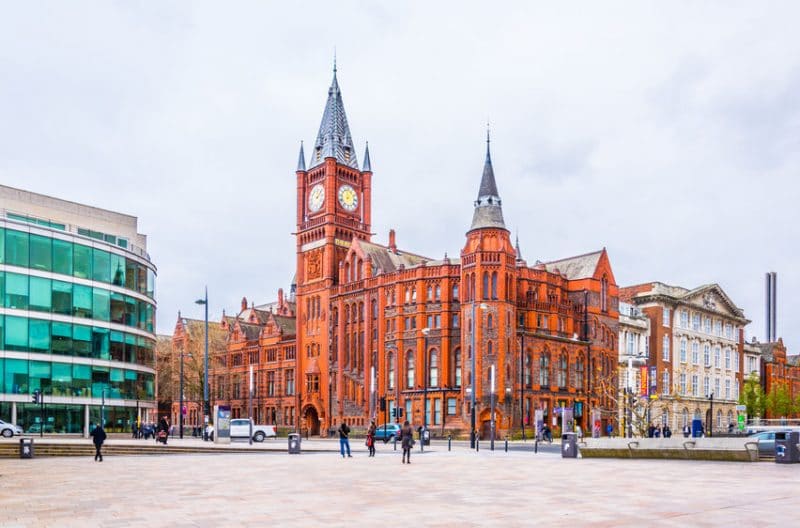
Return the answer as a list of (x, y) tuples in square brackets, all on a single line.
[(753, 397), (779, 401)]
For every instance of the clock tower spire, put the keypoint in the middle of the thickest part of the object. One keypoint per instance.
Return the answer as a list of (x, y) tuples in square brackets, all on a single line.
[(333, 207)]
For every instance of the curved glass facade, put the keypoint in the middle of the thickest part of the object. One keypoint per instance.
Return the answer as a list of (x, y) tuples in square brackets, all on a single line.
[(76, 324)]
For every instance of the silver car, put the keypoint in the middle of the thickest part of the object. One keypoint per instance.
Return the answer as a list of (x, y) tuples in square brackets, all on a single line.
[(8, 429)]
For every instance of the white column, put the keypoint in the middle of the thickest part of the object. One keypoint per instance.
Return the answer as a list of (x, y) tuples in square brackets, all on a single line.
[(86, 421), (14, 413)]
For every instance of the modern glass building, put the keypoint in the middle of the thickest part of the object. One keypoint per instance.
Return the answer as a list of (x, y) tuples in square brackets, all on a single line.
[(77, 312)]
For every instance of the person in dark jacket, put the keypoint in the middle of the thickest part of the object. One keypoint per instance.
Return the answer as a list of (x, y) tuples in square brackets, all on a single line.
[(98, 437), (407, 434), (371, 438), (344, 435), (163, 425)]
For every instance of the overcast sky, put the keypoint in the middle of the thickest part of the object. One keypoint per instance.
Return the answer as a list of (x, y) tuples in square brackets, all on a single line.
[(667, 132)]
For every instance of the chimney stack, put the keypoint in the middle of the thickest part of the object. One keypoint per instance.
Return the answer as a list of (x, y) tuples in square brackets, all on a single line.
[(772, 296), (392, 244)]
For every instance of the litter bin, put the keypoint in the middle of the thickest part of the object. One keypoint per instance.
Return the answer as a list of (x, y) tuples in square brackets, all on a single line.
[(426, 437), (294, 443), (786, 451), (26, 447), (569, 445)]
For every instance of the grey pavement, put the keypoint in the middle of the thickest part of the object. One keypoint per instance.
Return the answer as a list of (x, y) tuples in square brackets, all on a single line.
[(440, 488)]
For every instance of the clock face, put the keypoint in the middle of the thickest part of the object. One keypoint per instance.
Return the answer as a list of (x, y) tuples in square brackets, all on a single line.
[(348, 198), (316, 198)]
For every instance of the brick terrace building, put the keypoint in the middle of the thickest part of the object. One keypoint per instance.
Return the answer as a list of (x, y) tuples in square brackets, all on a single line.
[(374, 322), (778, 368)]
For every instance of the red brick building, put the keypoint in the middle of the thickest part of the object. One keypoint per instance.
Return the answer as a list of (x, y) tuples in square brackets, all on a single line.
[(780, 370), (371, 322)]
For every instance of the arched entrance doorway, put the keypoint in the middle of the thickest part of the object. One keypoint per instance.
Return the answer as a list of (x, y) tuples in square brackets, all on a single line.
[(311, 420), (485, 424)]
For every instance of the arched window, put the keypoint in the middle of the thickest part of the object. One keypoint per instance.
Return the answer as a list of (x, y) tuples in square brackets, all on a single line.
[(457, 368), (472, 294), (489, 321), (437, 295), (685, 417), (390, 359), (485, 292), (544, 369), (374, 309), (489, 348), (562, 370), (604, 294), (455, 292), (579, 373), (410, 369), (408, 295), (730, 418), (430, 293), (433, 369), (719, 419), (527, 375), (665, 388), (494, 285)]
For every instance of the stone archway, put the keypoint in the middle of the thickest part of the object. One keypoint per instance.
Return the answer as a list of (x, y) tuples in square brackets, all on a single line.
[(311, 420)]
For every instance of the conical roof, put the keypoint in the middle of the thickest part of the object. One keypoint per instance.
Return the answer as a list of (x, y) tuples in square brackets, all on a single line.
[(333, 138), (488, 207)]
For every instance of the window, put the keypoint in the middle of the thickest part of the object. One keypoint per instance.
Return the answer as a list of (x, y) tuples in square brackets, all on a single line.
[(451, 406), (17, 252), (694, 386), (457, 368), (684, 319), (455, 321), (433, 367), (735, 361), (17, 293), (271, 383), (696, 322), (717, 392), (665, 314), (683, 383), (707, 355), (683, 350), (717, 358), (455, 292), (390, 376), (528, 366), (665, 349), (494, 285), (727, 358), (579, 368), (544, 369), (718, 328), (706, 386), (289, 377), (707, 325), (485, 285), (437, 411), (312, 383), (631, 344), (562, 371), (727, 389), (729, 331), (409, 369), (665, 383), (604, 294)]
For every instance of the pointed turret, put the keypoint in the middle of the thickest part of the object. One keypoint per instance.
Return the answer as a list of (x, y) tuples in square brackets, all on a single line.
[(333, 138), (488, 210), (301, 161), (517, 249), (367, 167)]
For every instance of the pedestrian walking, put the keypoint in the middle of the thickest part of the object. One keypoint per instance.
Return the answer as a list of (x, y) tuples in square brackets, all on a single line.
[(344, 439), (686, 431), (371, 438), (163, 430), (667, 432), (407, 434), (98, 437)]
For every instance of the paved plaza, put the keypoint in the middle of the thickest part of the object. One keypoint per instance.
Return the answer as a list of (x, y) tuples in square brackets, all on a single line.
[(440, 488)]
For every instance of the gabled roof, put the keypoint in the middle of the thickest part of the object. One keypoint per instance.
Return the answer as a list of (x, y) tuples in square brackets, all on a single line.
[(387, 261), (579, 267), (709, 293), (333, 138)]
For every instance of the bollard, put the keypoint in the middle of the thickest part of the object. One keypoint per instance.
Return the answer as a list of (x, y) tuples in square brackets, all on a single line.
[(477, 444), (449, 441), (506, 444), (536, 446), (395, 443)]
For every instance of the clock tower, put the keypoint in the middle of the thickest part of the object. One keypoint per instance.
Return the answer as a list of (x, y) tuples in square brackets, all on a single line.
[(333, 207)]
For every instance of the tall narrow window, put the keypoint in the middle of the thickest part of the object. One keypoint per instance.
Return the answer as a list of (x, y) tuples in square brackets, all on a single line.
[(457, 368), (390, 370), (433, 367), (528, 366), (494, 285), (604, 294), (485, 293), (562, 371), (544, 369), (410, 369)]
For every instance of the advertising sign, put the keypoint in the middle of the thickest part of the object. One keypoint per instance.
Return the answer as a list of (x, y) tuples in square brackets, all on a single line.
[(653, 381), (643, 381), (740, 422), (222, 424)]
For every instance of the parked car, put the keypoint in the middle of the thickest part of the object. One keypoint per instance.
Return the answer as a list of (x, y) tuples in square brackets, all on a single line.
[(387, 432), (766, 441), (8, 429), (240, 428)]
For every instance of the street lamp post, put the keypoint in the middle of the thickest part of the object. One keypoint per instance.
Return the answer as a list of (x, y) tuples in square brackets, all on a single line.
[(425, 332), (206, 406), (491, 418), (180, 399), (250, 404), (711, 415)]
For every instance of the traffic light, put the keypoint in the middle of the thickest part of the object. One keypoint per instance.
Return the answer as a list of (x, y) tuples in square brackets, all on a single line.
[(36, 396), (383, 403)]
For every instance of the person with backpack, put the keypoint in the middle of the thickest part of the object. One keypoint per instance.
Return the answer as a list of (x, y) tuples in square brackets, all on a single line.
[(344, 442), (371, 438), (407, 434)]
